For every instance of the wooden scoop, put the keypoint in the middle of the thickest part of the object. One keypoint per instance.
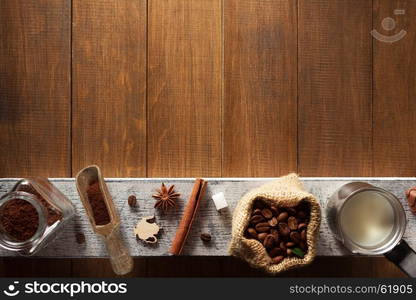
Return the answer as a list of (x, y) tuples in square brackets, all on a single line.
[(120, 259)]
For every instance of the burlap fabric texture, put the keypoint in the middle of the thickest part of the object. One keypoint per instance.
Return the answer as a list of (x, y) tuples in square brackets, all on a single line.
[(286, 191)]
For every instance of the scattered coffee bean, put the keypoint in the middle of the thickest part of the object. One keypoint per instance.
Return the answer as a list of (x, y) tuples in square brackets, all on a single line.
[(132, 201), (205, 237), (267, 213), (281, 230), (80, 237)]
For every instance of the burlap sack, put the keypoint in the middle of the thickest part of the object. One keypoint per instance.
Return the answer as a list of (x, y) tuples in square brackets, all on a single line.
[(287, 191)]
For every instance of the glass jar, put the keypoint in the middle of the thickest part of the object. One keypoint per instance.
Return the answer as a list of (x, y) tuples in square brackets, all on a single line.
[(32, 214)]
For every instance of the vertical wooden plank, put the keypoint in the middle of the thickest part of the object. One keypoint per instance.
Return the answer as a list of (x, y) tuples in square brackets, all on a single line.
[(35, 103), (335, 127), (109, 86), (184, 99), (394, 89), (109, 96), (35, 88), (184, 89), (260, 83)]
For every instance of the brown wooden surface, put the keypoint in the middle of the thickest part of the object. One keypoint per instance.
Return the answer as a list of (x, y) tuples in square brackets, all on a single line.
[(205, 88), (395, 92)]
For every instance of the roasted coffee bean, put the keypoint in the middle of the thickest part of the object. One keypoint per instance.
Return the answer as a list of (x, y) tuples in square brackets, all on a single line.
[(258, 204), (290, 244), (295, 237), (274, 210), (205, 237), (303, 235), (257, 219), (293, 223), (277, 259), (282, 216), (291, 211), (261, 236), (262, 227), (302, 226), (267, 213), (301, 214), (276, 252), (252, 232), (273, 222), (257, 211), (132, 201), (268, 241), (288, 252), (275, 234), (283, 246), (283, 229)]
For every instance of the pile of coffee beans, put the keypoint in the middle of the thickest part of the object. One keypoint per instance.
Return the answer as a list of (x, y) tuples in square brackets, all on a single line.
[(281, 230)]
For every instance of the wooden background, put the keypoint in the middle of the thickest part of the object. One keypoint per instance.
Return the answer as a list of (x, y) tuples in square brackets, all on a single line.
[(205, 88)]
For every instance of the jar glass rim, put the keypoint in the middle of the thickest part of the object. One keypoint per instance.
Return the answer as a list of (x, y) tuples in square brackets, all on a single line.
[(42, 225)]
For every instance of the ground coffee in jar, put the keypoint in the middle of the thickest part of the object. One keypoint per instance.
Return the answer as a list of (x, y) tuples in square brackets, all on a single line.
[(32, 215)]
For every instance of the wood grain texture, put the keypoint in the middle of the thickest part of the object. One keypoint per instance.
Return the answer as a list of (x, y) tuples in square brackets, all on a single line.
[(35, 53), (335, 137), (35, 88), (260, 88), (109, 86), (184, 88), (395, 91)]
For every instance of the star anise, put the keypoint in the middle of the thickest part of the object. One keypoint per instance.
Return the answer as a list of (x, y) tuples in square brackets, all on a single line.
[(166, 197)]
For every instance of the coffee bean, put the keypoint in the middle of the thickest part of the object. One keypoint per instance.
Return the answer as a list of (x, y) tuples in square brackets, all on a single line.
[(275, 234), (273, 222), (132, 201), (262, 227), (283, 246), (267, 213), (205, 237), (274, 210), (293, 223), (261, 236), (291, 211), (269, 241), (290, 244), (257, 211), (283, 229), (256, 219), (295, 237), (282, 216), (276, 252), (302, 226), (301, 214), (303, 235), (252, 232), (258, 204), (277, 259), (289, 252)]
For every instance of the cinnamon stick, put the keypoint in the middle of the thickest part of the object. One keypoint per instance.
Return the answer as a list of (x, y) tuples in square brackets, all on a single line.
[(188, 216)]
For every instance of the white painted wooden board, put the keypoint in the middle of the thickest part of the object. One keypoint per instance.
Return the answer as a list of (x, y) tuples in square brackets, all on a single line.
[(208, 219)]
